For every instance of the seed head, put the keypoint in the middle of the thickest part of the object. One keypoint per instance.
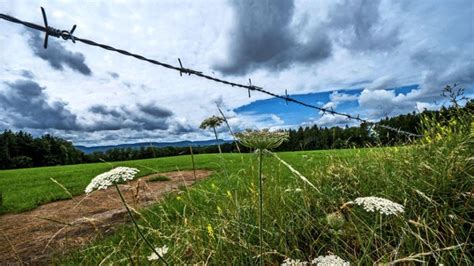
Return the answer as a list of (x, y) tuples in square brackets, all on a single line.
[(262, 139)]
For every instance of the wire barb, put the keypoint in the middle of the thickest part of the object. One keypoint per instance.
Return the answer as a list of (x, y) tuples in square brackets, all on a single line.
[(186, 70), (50, 31)]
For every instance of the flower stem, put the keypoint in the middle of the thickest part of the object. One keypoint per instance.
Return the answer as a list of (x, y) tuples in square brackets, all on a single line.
[(217, 140), (261, 206), (136, 225)]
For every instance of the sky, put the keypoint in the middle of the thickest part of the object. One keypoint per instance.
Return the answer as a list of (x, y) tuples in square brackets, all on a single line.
[(368, 58)]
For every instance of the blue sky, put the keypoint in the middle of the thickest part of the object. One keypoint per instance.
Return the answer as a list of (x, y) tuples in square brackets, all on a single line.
[(344, 54), (294, 115)]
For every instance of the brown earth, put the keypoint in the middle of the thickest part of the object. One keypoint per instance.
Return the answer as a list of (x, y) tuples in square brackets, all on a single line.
[(55, 228)]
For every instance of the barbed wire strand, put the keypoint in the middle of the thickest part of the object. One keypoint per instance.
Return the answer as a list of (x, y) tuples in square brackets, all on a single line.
[(66, 35)]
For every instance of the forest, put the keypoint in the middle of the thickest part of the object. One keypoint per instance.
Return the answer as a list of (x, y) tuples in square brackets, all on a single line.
[(22, 150)]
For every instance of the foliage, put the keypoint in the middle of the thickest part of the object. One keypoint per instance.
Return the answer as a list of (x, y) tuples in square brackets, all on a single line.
[(20, 150), (214, 221)]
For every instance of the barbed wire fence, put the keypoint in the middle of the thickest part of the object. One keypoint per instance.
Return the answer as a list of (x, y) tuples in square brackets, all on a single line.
[(69, 35)]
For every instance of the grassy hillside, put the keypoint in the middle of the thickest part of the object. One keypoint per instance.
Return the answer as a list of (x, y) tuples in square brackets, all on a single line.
[(25, 189), (216, 220)]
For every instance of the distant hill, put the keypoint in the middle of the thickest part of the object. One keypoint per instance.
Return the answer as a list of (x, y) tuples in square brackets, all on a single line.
[(186, 143)]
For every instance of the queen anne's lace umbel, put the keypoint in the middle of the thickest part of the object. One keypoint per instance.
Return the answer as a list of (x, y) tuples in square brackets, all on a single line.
[(262, 139), (162, 251), (292, 262), (383, 206), (107, 179), (330, 260)]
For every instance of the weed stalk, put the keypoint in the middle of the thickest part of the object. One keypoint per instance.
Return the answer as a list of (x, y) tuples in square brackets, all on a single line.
[(137, 227)]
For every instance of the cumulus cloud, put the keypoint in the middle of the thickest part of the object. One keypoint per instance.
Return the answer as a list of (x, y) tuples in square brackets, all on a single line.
[(383, 103), (383, 82), (56, 55), (329, 120), (114, 75), (336, 98), (25, 105), (263, 38), (27, 74), (441, 68), (358, 26), (138, 117)]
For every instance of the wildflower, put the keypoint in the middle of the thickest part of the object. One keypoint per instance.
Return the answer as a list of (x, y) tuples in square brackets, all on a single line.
[(296, 190), (210, 231), (330, 260), (335, 220), (262, 139), (162, 251), (111, 177), (229, 195), (213, 122), (292, 262), (178, 198), (383, 206)]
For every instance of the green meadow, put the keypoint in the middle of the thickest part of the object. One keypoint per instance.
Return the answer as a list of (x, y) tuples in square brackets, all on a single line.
[(216, 221), (25, 189)]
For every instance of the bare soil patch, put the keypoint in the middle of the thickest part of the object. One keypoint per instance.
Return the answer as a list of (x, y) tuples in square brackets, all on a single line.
[(54, 228)]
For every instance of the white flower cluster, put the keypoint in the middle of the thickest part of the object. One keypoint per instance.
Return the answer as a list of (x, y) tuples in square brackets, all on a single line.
[(293, 190), (162, 251), (330, 260), (383, 206), (107, 179), (292, 262)]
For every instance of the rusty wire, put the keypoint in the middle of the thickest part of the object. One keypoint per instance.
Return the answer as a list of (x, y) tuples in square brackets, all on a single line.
[(68, 35)]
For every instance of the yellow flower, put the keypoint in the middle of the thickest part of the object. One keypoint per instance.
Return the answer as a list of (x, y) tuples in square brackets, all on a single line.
[(179, 198), (210, 231), (229, 195)]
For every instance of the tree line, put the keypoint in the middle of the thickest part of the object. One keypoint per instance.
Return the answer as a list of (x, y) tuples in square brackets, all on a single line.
[(21, 149)]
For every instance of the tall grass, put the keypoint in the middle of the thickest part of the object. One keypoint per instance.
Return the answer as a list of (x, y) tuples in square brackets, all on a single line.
[(215, 221)]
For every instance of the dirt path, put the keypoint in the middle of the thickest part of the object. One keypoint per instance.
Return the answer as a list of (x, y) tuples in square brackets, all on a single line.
[(33, 237)]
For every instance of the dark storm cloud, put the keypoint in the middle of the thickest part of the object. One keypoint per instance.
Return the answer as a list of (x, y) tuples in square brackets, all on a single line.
[(56, 55), (442, 68), (141, 117), (114, 75), (25, 105), (359, 27), (154, 110), (27, 74), (263, 38)]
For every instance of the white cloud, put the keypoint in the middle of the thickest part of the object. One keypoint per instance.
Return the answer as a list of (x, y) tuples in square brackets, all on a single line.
[(421, 52)]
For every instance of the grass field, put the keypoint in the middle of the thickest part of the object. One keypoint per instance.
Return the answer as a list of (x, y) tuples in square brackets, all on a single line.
[(25, 189), (216, 220)]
